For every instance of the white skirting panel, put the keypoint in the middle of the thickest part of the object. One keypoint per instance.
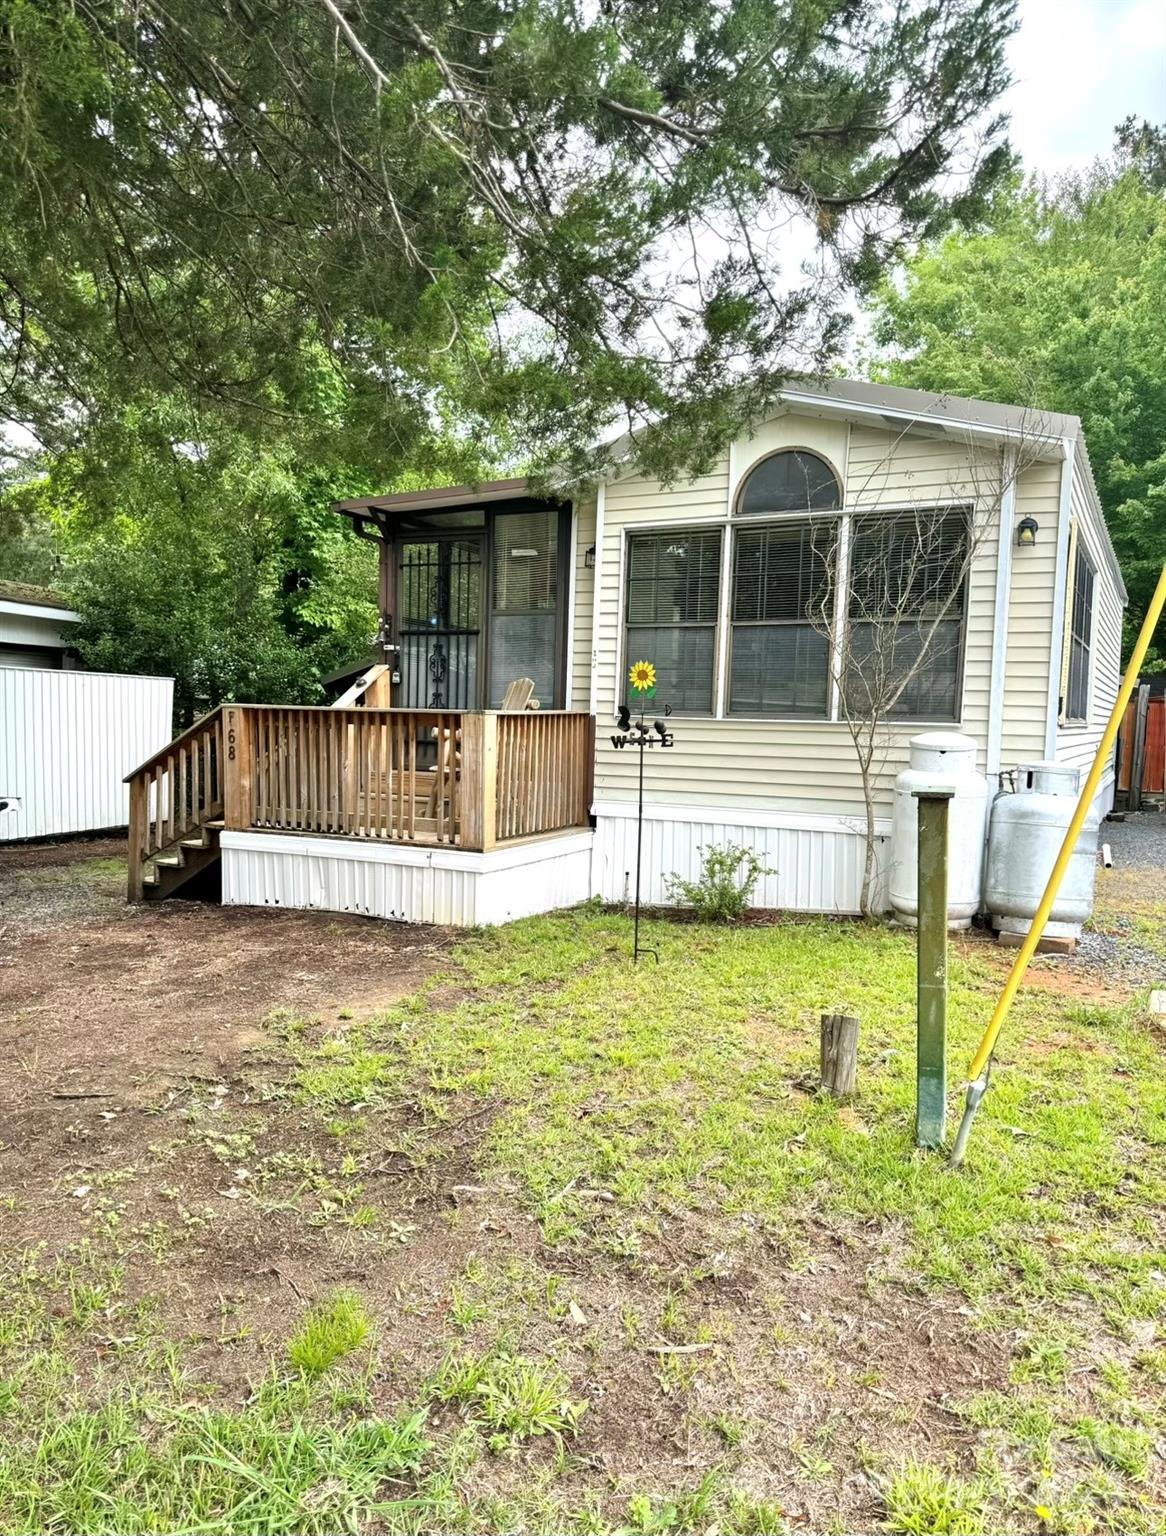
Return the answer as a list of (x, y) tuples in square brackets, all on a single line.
[(817, 860), (408, 884)]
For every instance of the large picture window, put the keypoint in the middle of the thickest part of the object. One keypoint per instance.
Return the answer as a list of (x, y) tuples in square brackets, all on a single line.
[(673, 585), (1080, 638), (901, 589), (906, 602), (781, 614)]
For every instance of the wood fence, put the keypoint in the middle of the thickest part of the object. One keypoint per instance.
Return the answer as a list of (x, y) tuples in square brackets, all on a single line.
[(1141, 765)]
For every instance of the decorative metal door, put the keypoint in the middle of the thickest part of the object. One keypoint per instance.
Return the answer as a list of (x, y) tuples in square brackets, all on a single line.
[(441, 619)]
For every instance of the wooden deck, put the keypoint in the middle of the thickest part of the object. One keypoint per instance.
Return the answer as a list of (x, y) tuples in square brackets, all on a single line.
[(439, 778)]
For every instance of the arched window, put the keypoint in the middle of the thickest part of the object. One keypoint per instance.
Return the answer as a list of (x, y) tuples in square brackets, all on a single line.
[(783, 588), (790, 481)]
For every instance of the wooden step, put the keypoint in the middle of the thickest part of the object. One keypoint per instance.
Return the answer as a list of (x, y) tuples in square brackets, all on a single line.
[(214, 826), (195, 842), (168, 861)]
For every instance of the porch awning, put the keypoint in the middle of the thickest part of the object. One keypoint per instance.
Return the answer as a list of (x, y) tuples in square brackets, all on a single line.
[(449, 496)]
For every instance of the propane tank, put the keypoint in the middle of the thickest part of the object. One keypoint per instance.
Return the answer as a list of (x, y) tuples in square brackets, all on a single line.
[(1027, 831), (947, 758)]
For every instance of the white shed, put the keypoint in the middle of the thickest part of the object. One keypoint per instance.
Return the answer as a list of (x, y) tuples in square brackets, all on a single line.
[(67, 741)]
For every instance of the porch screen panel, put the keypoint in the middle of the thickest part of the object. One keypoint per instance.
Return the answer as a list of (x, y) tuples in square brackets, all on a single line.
[(782, 606), (908, 590), (524, 626), (673, 582)]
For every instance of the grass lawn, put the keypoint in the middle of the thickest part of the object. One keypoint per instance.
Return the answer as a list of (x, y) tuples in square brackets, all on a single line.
[(556, 1244)]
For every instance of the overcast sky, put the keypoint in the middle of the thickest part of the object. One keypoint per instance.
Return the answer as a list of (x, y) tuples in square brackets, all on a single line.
[(1080, 67)]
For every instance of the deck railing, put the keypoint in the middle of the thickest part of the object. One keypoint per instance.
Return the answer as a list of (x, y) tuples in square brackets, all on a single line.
[(433, 777), (544, 772), (390, 774)]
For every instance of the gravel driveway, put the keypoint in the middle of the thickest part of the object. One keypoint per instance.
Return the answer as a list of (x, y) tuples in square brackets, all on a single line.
[(1139, 842), (1126, 937)]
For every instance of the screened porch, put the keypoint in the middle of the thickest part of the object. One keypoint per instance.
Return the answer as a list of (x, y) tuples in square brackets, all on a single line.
[(474, 593)]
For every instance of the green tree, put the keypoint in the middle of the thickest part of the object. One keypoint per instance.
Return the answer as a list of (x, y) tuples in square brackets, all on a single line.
[(547, 213), (1057, 303), (28, 551), (214, 562)]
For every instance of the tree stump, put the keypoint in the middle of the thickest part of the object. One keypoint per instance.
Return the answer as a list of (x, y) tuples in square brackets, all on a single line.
[(839, 1055)]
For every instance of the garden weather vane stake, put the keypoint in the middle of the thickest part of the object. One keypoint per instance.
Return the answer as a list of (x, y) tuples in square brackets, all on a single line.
[(636, 733)]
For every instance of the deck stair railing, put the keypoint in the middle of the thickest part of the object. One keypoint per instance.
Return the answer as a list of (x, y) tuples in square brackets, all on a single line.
[(176, 798)]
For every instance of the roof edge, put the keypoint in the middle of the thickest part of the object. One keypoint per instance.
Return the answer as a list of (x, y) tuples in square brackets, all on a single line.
[(435, 498)]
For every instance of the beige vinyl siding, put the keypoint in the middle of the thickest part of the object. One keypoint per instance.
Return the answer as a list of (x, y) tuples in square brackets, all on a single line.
[(892, 469), (1078, 743), (1030, 618), (797, 765), (583, 603)]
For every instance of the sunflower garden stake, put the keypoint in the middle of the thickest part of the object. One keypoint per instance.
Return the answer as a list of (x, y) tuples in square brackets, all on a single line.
[(642, 678)]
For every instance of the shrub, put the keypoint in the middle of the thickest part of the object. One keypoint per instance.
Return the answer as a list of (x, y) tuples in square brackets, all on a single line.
[(728, 878)]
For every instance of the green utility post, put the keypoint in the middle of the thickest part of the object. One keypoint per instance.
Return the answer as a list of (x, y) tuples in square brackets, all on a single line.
[(931, 1036)]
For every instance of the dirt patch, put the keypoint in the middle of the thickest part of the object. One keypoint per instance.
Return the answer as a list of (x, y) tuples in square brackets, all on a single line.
[(102, 997), (139, 1093)]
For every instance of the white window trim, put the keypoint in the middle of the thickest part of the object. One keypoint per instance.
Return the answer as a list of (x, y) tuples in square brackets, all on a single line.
[(1082, 722), (1087, 536), (753, 524), (722, 638), (623, 660), (838, 638)]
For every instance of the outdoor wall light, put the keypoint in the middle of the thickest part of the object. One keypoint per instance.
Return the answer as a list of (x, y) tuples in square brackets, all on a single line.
[(589, 558), (1026, 531)]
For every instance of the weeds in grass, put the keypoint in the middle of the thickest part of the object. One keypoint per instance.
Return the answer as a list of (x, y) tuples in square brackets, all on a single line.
[(133, 1451), (673, 1102), (922, 1501), (1118, 1445), (508, 1396), (329, 1331), (1043, 1357), (353, 1076), (605, 1081)]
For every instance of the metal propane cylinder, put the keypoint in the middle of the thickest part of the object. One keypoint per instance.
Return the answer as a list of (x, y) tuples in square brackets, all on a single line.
[(940, 757), (1028, 828)]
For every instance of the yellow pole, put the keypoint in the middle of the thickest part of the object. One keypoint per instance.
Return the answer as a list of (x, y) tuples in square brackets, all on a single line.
[(1028, 948)]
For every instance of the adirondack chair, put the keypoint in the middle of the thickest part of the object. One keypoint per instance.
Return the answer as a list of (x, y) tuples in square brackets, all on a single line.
[(519, 695)]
